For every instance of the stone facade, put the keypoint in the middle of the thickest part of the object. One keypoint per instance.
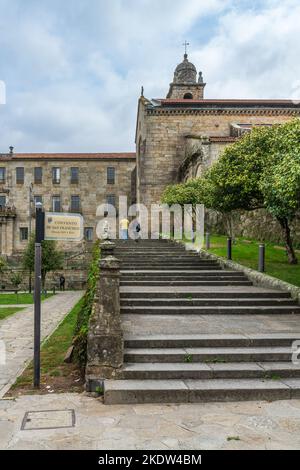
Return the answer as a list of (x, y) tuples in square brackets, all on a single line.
[(90, 186)]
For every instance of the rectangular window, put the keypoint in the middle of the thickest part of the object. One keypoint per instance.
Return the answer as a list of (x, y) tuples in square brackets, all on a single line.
[(74, 175), (111, 200), (56, 203), (23, 234), (88, 234), (2, 174), (75, 203), (38, 175), (55, 175), (111, 175), (20, 175), (38, 199), (2, 201)]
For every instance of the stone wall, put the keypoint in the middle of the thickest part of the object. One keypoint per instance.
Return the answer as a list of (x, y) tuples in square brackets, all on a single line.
[(258, 225), (75, 279)]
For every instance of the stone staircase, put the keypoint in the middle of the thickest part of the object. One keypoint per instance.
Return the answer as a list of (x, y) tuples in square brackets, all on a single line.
[(160, 280)]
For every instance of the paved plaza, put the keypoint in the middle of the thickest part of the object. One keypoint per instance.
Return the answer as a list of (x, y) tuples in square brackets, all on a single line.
[(243, 425)]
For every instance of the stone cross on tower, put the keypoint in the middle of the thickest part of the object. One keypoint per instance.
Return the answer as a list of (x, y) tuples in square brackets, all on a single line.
[(185, 44)]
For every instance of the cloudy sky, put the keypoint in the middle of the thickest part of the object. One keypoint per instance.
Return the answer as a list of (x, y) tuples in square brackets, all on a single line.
[(73, 69)]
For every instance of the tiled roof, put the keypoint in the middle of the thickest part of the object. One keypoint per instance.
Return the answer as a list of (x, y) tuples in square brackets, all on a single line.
[(224, 104), (70, 156), (230, 102)]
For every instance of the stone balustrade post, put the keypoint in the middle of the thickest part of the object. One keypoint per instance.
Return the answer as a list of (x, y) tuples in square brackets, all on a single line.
[(105, 345)]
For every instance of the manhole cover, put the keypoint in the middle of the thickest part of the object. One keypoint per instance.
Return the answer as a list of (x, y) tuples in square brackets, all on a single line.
[(48, 419)]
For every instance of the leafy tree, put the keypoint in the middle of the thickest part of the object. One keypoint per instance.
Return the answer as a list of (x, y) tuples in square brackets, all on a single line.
[(190, 192), (52, 259), (3, 265), (261, 170), (16, 280), (281, 190)]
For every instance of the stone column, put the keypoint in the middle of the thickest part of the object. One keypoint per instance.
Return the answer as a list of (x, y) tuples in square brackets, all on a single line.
[(3, 238), (10, 237), (105, 337)]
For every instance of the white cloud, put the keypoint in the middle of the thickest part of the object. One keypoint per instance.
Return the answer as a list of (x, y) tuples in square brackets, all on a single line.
[(73, 70), (254, 53)]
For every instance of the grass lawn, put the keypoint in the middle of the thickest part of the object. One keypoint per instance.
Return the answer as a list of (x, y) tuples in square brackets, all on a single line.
[(7, 311), (7, 299), (245, 252), (56, 374)]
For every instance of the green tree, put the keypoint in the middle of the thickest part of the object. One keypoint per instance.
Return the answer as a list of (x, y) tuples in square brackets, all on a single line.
[(3, 265), (281, 190), (261, 170), (16, 280), (52, 259)]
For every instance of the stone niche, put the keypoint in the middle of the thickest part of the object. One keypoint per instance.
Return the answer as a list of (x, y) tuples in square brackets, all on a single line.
[(196, 157)]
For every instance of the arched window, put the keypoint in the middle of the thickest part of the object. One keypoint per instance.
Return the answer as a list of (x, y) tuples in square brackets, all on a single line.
[(188, 96)]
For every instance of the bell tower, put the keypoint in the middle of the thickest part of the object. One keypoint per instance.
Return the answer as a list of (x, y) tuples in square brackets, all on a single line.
[(185, 84)]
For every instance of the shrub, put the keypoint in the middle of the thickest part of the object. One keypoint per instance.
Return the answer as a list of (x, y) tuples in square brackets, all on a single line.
[(81, 329)]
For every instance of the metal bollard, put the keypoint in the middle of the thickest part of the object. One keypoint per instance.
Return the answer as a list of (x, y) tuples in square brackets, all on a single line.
[(229, 248), (261, 258), (207, 240)]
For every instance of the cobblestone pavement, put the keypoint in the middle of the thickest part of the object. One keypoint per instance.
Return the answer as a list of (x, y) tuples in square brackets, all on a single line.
[(242, 425), (16, 334)]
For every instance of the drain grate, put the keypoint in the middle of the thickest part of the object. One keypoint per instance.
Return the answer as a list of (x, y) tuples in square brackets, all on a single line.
[(48, 419)]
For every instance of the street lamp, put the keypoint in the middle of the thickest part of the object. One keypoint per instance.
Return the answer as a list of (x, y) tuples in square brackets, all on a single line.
[(39, 237), (30, 201)]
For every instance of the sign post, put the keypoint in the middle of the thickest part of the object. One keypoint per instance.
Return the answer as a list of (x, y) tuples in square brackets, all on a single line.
[(49, 226), (39, 237), (63, 226)]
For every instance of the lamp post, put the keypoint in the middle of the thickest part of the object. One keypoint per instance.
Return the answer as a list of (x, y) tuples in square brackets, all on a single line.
[(261, 258), (30, 201), (39, 237), (229, 248)]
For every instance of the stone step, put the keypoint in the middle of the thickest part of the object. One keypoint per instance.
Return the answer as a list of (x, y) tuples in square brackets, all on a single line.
[(233, 370), (155, 249), (208, 355), (158, 253), (192, 391), (200, 302), (212, 310), (186, 283), (212, 341), (178, 274), (171, 260), (215, 276), (181, 292), (169, 266)]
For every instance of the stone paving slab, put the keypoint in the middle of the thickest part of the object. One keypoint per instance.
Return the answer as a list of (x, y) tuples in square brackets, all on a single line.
[(16, 332), (210, 324), (200, 426)]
